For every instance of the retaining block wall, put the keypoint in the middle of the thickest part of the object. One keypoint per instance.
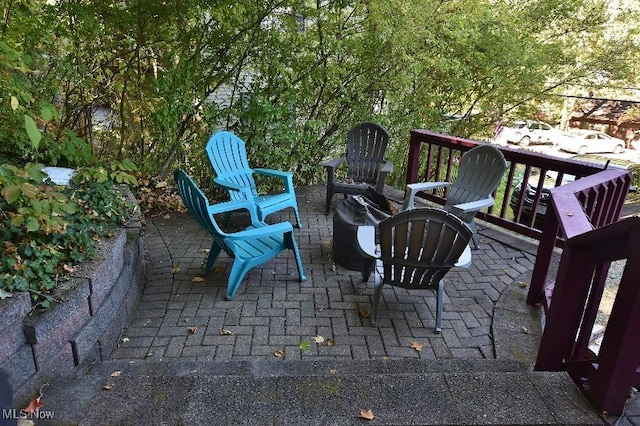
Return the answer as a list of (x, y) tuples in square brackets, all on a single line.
[(41, 347)]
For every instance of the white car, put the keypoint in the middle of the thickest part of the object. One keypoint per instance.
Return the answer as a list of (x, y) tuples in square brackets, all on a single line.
[(590, 141), (528, 132)]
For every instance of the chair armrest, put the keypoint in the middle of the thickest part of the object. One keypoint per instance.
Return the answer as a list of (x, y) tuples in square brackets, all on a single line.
[(261, 231), (367, 241), (474, 206), (231, 186), (387, 167), (286, 177), (274, 173), (465, 258), (332, 164), (413, 188), (233, 205)]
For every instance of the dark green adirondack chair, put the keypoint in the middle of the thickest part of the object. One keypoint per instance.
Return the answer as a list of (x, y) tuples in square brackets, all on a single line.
[(364, 161), (250, 247)]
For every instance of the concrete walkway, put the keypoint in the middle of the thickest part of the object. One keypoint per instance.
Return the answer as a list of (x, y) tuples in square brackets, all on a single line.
[(285, 352)]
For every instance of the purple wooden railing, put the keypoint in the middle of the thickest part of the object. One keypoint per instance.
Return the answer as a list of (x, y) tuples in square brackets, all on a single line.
[(582, 218), (434, 156), (588, 203), (586, 212)]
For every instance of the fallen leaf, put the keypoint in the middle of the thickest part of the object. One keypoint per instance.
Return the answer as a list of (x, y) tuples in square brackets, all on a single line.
[(197, 279), (366, 414), (333, 372), (175, 270), (116, 374), (4, 294), (278, 353), (330, 342), (34, 405), (364, 313), (522, 284), (218, 269), (525, 330), (304, 345), (192, 330), (224, 332), (318, 339), (166, 216), (417, 346), (108, 386), (125, 340)]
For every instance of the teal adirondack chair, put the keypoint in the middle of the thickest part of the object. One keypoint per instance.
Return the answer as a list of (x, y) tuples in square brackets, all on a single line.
[(250, 247), (228, 157)]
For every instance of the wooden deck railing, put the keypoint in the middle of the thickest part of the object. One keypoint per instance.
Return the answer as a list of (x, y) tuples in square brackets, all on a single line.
[(434, 156), (586, 212), (582, 217)]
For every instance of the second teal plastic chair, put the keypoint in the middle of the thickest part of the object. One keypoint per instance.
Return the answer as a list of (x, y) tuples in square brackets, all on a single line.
[(250, 247)]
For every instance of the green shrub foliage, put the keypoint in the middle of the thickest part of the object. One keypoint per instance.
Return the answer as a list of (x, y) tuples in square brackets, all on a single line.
[(48, 229)]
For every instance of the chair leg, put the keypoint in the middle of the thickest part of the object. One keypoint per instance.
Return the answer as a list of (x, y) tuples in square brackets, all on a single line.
[(291, 243), (439, 303), (376, 303), (474, 236), (299, 223), (367, 267), (214, 251), (227, 216), (328, 201), (238, 270), (409, 198)]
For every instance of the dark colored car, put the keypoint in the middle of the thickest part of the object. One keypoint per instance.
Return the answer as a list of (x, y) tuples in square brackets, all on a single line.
[(550, 182), (530, 189)]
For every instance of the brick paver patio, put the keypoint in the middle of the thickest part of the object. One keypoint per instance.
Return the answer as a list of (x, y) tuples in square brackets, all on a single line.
[(325, 317)]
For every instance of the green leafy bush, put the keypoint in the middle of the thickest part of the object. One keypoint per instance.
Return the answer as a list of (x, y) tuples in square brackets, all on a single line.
[(49, 229)]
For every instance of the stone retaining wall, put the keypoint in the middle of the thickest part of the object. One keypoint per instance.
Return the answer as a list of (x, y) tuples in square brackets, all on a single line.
[(40, 347)]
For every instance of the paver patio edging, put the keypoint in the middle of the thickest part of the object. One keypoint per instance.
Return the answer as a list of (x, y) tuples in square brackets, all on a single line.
[(43, 346)]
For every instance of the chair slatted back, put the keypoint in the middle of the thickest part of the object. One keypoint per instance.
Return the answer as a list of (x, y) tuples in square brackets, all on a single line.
[(198, 205), (479, 174), (366, 147), (228, 156), (419, 246)]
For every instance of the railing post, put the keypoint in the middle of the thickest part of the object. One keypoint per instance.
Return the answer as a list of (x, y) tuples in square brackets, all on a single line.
[(565, 311), (536, 295), (619, 354), (413, 162)]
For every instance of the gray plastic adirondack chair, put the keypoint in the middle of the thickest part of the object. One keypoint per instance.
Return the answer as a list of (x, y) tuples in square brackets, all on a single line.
[(228, 157), (417, 248), (366, 166), (479, 175), (250, 247)]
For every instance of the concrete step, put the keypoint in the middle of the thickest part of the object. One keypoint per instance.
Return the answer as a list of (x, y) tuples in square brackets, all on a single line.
[(398, 392)]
